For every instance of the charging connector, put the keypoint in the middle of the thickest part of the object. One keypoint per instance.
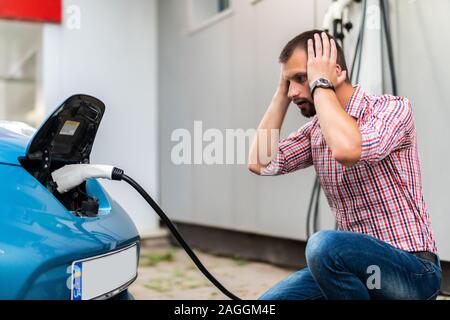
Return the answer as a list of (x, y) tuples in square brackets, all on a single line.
[(72, 175)]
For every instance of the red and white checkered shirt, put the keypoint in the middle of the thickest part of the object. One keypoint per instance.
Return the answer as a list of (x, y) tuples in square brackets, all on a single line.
[(381, 195)]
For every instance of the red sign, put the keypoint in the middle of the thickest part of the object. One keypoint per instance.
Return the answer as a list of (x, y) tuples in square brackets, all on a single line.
[(31, 10)]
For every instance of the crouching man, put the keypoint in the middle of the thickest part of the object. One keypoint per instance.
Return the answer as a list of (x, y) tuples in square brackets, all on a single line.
[(364, 150)]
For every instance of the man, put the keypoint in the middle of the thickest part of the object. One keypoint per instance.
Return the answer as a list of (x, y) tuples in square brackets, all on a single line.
[(364, 150)]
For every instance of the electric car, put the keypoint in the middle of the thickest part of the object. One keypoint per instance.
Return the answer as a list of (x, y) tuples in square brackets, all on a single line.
[(79, 245)]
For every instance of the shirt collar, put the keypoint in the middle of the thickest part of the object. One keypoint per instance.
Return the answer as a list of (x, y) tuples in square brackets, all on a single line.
[(356, 103)]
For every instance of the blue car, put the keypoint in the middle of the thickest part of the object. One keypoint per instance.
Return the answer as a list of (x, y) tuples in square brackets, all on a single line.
[(79, 245)]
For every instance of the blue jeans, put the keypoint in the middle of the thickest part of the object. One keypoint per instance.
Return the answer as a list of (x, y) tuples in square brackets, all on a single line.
[(350, 265)]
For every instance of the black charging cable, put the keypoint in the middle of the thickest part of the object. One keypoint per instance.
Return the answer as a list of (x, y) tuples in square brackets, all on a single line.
[(118, 174), (312, 212)]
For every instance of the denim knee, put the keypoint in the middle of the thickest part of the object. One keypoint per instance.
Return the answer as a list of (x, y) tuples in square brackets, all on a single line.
[(318, 248)]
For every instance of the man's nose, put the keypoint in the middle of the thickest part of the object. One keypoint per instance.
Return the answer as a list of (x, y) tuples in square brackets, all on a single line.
[(294, 90)]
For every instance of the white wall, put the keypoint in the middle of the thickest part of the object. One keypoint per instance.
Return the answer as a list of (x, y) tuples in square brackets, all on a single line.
[(114, 58)]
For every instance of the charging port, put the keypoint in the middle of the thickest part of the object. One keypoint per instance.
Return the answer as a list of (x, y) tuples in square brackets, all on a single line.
[(66, 137)]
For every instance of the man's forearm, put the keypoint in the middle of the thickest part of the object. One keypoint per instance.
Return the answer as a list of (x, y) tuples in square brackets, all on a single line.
[(340, 130), (265, 144)]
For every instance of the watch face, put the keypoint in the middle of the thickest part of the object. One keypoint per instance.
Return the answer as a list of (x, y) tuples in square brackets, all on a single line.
[(323, 82)]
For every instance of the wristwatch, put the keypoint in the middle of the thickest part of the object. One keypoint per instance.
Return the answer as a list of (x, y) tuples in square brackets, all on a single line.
[(320, 83)]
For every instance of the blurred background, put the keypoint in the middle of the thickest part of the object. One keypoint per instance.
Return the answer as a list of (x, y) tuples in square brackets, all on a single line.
[(161, 65)]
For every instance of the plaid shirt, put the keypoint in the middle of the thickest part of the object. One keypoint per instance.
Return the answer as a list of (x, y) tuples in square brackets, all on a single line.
[(381, 195)]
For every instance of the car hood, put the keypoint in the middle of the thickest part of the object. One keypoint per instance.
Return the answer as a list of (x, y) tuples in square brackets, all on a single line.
[(14, 140)]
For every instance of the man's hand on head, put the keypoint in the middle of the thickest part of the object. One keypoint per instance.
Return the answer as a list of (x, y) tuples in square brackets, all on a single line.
[(283, 88), (322, 62)]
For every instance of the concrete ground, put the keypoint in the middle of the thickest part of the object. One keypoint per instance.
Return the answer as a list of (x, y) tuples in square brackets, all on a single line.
[(167, 273)]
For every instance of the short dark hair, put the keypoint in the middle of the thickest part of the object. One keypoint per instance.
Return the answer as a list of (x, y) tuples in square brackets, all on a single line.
[(301, 42)]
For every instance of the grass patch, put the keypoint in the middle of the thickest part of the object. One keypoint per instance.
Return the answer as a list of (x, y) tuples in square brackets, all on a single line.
[(159, 285), (240, 261), (154, 258), (178, 273)]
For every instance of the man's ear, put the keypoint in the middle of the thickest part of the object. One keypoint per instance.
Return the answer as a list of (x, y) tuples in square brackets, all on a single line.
[(341, 75)]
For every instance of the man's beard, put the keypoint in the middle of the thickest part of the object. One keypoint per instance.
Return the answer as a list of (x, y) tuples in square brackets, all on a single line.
[(307, 109)]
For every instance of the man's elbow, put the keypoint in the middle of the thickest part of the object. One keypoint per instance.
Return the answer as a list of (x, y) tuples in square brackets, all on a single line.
[(348, 157), (255, 168)]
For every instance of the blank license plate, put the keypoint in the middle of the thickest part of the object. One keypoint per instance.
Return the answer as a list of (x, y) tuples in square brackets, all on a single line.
[(104, 276)]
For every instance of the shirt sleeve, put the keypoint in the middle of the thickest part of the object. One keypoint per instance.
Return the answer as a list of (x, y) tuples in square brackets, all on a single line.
[(388, 129), (294, 153)]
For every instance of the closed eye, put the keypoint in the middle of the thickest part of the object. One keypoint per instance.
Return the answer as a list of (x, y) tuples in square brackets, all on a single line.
[(299, 79)]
